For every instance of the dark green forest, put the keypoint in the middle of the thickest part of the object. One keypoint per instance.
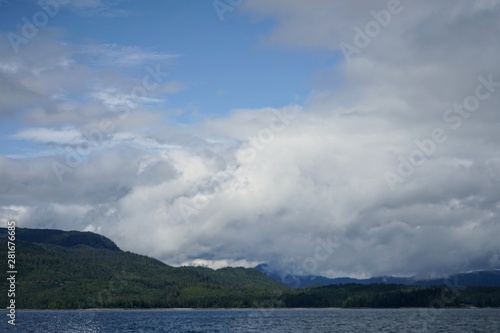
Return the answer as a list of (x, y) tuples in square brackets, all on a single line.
[(74, 270)]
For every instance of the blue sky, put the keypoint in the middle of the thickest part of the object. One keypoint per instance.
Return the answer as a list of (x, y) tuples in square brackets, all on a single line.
[(222, 65), (229, 56), (371, 127)]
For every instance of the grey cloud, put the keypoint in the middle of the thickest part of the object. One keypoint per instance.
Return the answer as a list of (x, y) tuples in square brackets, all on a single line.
[(319, 179)]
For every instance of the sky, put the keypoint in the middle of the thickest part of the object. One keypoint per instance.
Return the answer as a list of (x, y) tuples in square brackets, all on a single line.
[(334, 138)]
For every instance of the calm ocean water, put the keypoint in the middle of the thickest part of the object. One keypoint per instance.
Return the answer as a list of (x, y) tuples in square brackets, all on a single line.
[(228, 321)]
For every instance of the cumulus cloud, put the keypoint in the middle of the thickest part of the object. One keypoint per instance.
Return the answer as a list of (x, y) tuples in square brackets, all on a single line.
[(301, 187)]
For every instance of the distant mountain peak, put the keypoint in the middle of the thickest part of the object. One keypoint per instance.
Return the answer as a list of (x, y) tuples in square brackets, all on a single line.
[(486, 278)]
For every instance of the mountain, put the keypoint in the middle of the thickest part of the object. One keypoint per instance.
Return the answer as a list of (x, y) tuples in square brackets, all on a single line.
[(70, 269), (62, 238), (472, 279), (73, 270), (478, 279)]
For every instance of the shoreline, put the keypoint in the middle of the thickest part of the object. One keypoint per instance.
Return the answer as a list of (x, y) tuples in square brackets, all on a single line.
[(249, 309)]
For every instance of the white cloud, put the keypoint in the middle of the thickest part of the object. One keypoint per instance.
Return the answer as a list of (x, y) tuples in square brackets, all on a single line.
[(124, 56), (100, 8), (46, 135), (216, 264)]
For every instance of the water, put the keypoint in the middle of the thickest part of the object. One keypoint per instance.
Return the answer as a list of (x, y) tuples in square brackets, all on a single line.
[(273, 321)]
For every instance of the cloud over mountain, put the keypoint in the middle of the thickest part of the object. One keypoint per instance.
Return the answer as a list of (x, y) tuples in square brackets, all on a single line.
[(355, 181)]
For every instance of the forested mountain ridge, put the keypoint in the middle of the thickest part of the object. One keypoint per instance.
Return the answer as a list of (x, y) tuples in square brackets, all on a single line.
[(72, 270), (62, 238), (59, 269)]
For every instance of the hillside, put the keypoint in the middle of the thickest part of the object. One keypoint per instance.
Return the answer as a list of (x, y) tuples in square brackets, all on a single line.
[(392, 296), (58, 269), (70, 270), (62, 238)]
